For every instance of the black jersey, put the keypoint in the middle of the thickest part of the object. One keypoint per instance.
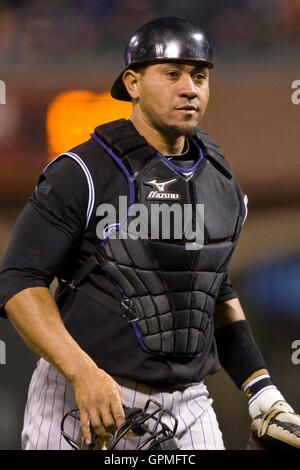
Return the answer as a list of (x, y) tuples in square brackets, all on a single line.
[(56, 233)]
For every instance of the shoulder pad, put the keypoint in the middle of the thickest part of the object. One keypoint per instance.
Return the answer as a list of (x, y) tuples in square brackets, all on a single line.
[(121, 136), (83, 148), (126, 143), (213, 153)]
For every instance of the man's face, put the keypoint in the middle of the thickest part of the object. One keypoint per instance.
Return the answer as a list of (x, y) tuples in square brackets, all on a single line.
[(173, 97)]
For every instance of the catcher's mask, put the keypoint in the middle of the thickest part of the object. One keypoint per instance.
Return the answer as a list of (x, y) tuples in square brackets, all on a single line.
[(147, 426)]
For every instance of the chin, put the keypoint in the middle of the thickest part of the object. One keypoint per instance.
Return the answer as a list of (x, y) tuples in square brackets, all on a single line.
[(181, 130)]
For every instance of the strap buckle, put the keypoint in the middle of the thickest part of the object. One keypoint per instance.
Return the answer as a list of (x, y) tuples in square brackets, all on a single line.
[(129, 310), (67, 284), (101, 255)]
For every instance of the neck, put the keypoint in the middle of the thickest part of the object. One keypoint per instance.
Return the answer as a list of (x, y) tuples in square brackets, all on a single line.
[(165, 144)]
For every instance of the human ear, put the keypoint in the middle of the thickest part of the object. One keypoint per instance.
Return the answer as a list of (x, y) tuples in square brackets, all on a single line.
[(131, 81)]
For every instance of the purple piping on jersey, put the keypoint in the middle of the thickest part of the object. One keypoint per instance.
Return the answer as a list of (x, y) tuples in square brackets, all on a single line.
[(125, 171), (89, 178), (179, 168)]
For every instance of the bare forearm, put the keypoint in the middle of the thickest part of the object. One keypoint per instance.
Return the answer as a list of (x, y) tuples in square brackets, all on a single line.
[(35, 315), (228, 312)]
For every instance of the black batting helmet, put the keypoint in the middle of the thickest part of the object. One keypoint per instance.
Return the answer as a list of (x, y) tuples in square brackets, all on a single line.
[(168, 39)]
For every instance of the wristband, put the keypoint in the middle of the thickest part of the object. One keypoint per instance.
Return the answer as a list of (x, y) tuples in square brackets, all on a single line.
[(262, 394), (254, 388), (238, 352)]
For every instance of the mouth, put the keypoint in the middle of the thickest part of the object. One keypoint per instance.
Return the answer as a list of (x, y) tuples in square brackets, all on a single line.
[(187, 109)]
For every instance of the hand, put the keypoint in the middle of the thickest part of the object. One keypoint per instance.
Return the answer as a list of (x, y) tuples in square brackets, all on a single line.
[(266, 400), (100, 401)]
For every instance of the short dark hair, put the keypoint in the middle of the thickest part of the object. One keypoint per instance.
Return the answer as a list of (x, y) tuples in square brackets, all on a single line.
[(139, 68)]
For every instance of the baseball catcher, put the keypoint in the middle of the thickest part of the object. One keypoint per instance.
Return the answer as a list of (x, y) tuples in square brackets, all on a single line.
[(144, 308)]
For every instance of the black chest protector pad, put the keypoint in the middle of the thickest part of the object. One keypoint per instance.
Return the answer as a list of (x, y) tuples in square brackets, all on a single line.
[(168, 256)]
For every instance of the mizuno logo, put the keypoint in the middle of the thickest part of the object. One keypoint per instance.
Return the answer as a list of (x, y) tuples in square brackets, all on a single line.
[(162, 185), (159, 189)]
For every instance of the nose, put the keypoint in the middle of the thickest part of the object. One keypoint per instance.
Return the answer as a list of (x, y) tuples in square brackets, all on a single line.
[(187, 88)]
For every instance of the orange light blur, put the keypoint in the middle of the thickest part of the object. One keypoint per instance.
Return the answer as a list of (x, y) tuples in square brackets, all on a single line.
[(73, 115)]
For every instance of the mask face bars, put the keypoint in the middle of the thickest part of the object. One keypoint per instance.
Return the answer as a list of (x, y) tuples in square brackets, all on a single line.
[(142, 423), (137, 423)]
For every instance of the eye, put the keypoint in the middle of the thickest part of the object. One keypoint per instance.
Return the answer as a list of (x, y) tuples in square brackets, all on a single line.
[(172, 73), (199, 76)]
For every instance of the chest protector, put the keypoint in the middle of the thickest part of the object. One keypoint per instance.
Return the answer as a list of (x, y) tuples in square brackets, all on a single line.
[(167, 284)]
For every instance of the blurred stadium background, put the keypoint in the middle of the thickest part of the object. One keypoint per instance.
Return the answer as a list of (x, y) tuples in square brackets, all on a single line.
[(58, 60)]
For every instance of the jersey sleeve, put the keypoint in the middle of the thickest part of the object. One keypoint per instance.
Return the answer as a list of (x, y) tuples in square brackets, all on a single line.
[(47, 230), (227, 291)]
